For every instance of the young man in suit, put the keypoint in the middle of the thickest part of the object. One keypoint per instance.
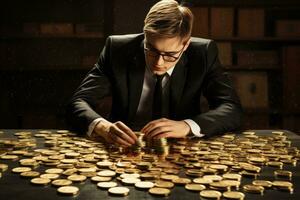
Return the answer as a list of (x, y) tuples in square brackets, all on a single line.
[(156, 79)]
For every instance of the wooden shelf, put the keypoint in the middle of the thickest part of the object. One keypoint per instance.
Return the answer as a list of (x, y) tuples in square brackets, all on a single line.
[(70, 36)]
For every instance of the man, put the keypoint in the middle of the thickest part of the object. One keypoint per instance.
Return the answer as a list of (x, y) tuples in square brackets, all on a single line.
[(156, 80)]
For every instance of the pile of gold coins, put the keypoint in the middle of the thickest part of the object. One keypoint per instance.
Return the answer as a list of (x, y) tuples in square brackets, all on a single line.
[(212, 167)]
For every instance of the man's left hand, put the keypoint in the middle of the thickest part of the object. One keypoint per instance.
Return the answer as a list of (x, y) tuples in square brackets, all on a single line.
[(166, 128)]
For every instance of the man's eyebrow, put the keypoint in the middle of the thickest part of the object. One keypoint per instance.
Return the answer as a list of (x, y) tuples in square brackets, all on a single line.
[(166, 52)]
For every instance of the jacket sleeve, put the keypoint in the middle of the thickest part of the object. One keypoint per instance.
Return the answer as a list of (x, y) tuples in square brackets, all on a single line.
[(96, 85), (225, 111)]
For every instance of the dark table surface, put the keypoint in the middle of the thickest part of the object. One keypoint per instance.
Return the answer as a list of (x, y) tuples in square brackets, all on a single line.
[(14, 187)]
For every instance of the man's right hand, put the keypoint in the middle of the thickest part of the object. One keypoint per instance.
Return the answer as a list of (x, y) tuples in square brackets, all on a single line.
[(117, 133)]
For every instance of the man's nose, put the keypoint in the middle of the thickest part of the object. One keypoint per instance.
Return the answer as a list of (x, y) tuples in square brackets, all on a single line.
[(159, 60)]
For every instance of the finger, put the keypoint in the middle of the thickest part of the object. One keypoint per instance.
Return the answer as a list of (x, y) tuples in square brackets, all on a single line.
[(127, 130), (158, 130), (146, 128), (117, 139), (163, 135), (157, 125), (118, 132)]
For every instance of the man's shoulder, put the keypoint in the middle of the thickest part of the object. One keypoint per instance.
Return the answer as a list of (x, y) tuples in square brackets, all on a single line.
[(200, 42)]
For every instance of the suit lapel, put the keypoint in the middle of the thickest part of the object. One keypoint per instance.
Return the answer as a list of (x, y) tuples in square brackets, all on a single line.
[(135, 81), (178, 80)]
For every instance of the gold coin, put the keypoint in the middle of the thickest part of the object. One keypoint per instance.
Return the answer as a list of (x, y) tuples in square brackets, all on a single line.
[(130, 181), (264, 183), (195, 187), (129, 175), (68, 190), (164, 184), (106, 173), (210, 194), (144, 185), (104, 164), (61, 182), (233, 195), (283, 173), (232, 176), (21, 169), (69, 172), (106, 185), (77, 178), (40, 181), (253, 188), (3, 167), (101, 178), (49, 176), (30, 174), (9, 157), (202, 181), (283, 184), (181, 181), (159, 191), (213, 177), (123, 191), (54, 171), (169, 177)]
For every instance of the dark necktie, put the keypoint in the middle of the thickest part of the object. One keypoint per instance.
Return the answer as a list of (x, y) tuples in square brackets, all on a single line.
[(158, 97)]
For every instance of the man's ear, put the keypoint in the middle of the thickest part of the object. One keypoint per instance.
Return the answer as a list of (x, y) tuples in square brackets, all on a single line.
[(187, 43)]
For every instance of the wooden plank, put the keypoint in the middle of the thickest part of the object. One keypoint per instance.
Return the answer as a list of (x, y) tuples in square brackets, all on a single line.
[(56, 28), (221, 22), (291, 81), (251, 22), (258, 58), (252, 88), (288, 28), (225, 53), (200, 27)]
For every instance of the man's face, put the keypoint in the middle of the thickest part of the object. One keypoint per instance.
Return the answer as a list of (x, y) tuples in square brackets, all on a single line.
[(162, 53)]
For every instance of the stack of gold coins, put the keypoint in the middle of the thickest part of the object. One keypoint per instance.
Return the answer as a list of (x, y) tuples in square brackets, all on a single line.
[(161, 146)]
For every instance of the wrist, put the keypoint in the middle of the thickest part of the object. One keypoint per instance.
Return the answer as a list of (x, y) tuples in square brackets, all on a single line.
[(102, 129)]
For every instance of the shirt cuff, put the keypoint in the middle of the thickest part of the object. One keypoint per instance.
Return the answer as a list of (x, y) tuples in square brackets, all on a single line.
[(195, 128), (93, 125)]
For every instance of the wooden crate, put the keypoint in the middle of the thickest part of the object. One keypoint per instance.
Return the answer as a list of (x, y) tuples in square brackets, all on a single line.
[(288, 28), (221, 22), (291, 81), (225, 53), (251, 22), (200, 27), (56, 28), (252, 88), (258, 59)]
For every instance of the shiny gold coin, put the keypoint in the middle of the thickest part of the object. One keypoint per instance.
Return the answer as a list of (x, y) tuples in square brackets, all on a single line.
[(40, 181), (159, 191), (77, 178), (129, 175), (101, 179), (54, 171), (106, 185), (9, 157), (21, 169), (121, 191), (144, 185), (253, 188), (49, 176), (104, 164), (69, 172), (130, 181), (213, 177), (232, 176), (164, 184), (210, 194), (169, 177), (30, 174), (202, 181), (181, 181), (106, 173), (195, 187), (233, 195), (220, 185), (61, 182), (3, 167), (264, 183), (283, 173), (283, 184), (68, 190)]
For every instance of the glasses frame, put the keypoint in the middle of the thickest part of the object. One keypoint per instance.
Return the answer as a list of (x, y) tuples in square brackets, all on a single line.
[(163, 55)]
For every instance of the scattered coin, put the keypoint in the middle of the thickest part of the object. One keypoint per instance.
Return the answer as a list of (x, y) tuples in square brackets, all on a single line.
[(120, 191), (30, 174), (144, 185), (210, 194), (164, 184), (40, 181), (234, 195), (68, 190), (195, 187), (159, 191), (106, 185), (61, 182), (49, 176), (101, 178), (21, 169), (77, 178)]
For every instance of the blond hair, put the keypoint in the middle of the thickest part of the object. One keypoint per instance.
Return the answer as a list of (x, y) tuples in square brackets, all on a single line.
[(169, 19)]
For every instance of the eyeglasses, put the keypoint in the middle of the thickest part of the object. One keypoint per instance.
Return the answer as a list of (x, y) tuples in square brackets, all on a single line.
[(167, 57)]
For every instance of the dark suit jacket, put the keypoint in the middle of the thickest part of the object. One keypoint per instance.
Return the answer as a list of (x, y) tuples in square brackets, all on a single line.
[(119, 72)]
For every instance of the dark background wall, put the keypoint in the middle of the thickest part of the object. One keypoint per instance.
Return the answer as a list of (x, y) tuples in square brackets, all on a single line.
[(47, 47)]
